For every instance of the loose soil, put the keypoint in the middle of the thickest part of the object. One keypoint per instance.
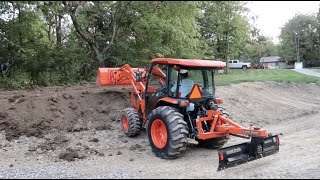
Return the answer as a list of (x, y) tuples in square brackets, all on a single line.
[(75, 132)]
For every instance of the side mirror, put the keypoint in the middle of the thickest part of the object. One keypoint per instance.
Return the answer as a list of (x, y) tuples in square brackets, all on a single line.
[(138, 76)]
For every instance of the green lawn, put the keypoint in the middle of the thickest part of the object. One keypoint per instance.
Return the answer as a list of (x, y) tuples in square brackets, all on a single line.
[(251, 75)]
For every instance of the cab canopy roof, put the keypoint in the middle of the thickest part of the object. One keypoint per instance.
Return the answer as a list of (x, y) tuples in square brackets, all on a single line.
[(189, 62)]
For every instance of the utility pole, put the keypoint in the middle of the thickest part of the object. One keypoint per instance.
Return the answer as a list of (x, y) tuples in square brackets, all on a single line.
[(298, 50), (298, 65), (227, 55), (296, 43)]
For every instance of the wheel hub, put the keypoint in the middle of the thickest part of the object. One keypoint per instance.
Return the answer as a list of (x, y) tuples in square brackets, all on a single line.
[(159, 133), (125, 123)]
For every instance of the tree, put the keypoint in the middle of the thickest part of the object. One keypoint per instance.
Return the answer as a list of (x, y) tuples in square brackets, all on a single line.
[(300, 34), (262, 46), (154, 29), (214, 27), (123, 29), (53, 12), (98, 23)]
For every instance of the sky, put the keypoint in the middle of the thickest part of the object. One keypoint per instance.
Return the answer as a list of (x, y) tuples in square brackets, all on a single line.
[(272, 15)]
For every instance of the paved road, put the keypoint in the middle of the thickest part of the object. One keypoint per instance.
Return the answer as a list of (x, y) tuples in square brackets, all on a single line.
[(307, 71)]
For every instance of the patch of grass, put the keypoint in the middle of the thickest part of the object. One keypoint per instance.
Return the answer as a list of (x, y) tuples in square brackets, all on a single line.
[(279, 75)]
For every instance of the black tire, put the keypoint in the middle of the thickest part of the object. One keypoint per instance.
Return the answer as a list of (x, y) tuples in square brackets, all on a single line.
[(176, 129), (244, 67), (214, 143), (134, 124), (224, 112)]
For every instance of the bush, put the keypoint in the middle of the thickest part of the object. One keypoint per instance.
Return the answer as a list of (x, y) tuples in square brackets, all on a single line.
[(17, 80)]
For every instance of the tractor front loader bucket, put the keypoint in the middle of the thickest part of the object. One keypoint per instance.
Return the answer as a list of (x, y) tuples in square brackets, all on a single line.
[(242, 153)]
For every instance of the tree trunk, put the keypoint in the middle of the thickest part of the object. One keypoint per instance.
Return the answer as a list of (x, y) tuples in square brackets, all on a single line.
[(218, 47), (49, 33), (19, 19), (58, 29), (89, 39), (100, 57)]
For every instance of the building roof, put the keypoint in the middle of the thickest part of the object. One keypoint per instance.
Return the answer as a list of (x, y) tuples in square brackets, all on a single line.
[(189, 62), (270, 59)]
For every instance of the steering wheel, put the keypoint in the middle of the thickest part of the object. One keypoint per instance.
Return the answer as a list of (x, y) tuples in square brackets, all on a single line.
[(161, 91)]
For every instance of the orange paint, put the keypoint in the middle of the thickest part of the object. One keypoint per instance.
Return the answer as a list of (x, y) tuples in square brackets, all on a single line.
[(159, 133), (221, 126), (189, 62)]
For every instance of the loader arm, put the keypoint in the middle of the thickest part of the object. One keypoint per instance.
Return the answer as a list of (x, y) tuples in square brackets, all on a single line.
[(126, 75)]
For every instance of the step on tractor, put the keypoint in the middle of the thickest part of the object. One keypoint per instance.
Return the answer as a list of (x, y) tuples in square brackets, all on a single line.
[(174, 101)]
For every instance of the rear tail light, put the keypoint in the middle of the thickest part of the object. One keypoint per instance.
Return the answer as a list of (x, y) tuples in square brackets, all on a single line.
[(218, 100), (184, 104), (278, 141), (221, 156)]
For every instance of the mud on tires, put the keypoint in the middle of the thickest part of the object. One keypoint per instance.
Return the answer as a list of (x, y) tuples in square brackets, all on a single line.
[(167, 132), (131, 123)]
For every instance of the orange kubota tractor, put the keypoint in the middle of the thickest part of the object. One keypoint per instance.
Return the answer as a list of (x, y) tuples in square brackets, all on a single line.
[(173, 107)]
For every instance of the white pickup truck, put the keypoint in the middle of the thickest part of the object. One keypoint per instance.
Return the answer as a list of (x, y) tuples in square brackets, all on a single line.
[(236, 64)]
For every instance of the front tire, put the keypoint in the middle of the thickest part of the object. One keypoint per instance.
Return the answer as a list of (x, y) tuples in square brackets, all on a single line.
[(167, 132), (244, 67), (131, 123)]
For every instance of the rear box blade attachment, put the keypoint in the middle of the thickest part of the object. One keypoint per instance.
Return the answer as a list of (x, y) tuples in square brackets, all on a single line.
[(242, 153)]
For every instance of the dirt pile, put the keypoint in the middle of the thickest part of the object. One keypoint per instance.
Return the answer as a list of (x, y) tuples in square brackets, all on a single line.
[(260, 104), (36, 113)]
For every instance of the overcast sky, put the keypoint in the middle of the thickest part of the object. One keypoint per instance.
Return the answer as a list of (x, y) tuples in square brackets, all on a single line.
[(274, 14)]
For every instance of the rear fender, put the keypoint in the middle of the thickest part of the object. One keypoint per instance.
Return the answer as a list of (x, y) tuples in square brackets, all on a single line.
[(167, 101)]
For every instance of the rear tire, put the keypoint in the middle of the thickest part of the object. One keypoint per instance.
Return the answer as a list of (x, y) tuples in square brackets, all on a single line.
[(244, 67), (167, 132), (214, 143), (224, 112), (131, 123)]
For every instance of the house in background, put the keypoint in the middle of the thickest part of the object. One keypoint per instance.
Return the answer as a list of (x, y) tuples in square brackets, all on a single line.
[(276, 62)]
